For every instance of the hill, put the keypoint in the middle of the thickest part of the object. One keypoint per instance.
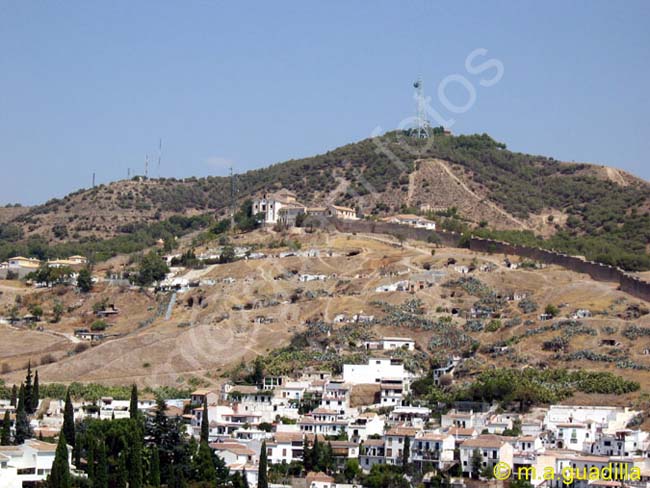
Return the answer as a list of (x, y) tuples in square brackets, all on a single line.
[(263, 308), (469, 183)]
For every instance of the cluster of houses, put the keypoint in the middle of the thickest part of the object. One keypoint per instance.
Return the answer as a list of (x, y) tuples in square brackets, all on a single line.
[(20, 266), (283, 207), (364, 414)]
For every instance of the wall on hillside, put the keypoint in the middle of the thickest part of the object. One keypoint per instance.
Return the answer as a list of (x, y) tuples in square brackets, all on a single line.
[(597, 271)]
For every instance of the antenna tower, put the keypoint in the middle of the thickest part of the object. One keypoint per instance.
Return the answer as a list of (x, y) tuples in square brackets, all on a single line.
[(159, 155), (422, 131)]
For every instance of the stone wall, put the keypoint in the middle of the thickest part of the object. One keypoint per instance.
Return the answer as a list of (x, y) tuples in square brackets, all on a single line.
[(597, 271)]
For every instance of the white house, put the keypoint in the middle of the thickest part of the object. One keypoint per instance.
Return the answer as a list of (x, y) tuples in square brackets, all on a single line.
[(285, 447), (374, 371), (432, 447), (412, 221), (28, 463), (270, 205), (398, 343), (365, 425), (492, 449)]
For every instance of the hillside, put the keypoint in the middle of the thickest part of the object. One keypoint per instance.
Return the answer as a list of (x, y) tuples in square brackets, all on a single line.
[(260, 307), (468, 182)]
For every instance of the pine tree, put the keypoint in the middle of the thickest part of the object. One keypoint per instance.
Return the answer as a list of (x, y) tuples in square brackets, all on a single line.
[(29, 402), (205, 422), (14, 396), (133, 407), (154, 470), (5, 437), (68, 421), (262, 477), (23, 429), (35, 393), (203, 468), (101, 470), (60, 474)]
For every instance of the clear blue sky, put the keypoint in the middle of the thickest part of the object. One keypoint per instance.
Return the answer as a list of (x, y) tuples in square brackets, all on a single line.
[(90, 86)]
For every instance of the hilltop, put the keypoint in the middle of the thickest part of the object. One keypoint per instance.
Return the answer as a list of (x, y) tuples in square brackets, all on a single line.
[(467, 183)]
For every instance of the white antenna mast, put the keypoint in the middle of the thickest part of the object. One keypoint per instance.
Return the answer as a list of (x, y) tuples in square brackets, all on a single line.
[(422, 129), (159, 155)]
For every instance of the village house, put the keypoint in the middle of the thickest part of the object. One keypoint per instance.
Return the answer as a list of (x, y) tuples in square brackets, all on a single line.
[(374, 371), (197, 397), (408, 415), (492, 449), (285, 447), (372, 452), (323, 422), (233, 453), (394, 440), (343, 213), (391, 392), (434, 448), (471, 419), (336, 396), (365, 425), (411, 220), (446, 370)]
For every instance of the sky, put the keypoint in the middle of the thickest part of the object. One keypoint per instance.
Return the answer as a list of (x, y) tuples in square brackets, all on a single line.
[(92, 86)]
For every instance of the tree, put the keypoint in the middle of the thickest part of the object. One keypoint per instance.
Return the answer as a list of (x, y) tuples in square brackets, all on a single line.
[(5, 437), (133, 406), (262, 476), (406, 453), (258, 373), (29, 390), (205, 422), (551, 310), (203, 467), (23, 429), (135, 456), (351, 470), (35, 393), (154, 469), (85, 280), (476, 462), (57, 311), (36, 311), (68, 420), (14, 396), (307, 456), (152, 268), (121, 476), (101, 470), (60, 474)]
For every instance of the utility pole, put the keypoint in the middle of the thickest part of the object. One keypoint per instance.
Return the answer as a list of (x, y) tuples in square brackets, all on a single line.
[(93, 180)]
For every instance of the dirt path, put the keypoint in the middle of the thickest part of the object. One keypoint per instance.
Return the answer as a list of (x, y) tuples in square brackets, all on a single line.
[(490, 204)]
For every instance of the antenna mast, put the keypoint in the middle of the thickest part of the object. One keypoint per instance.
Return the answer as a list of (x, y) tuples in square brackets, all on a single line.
[(422, 129), (146, 165), (233, 192), (159, 155)]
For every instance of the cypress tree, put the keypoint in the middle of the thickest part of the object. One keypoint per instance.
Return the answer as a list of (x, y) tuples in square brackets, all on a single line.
[(406, 453), (244, 478), (29, 402), (68, 421), (5, 437), (154, 470), (262, 476), (35, 393), (23, 429), (315, 454), (101, 470), (90, 461), (205, 422), (121, 477), (307, 455), (203, 465), (14, 396), (135, 455), (133, 407), (60, 474)]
